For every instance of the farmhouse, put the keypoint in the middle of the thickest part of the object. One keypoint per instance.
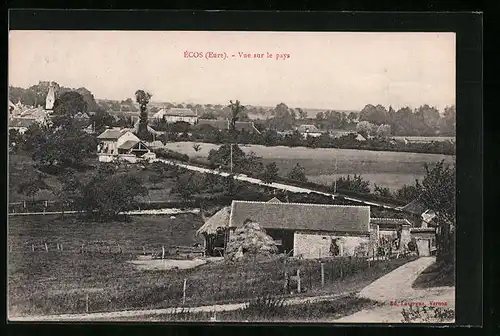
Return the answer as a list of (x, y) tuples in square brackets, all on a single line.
[(224, 124), (21, 124), (173, 115), (300, 229), (122, 144), (309, 131)]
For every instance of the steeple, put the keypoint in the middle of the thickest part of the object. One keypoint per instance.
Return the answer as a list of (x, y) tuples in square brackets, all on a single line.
[(49, 101)]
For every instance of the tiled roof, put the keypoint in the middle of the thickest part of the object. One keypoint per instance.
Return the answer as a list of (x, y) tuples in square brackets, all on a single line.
[(308, 128), (180, 112), (216, 123), (246, 126), (389, 222), (415, 207), (302, 216), (128, 144), (112, 134)]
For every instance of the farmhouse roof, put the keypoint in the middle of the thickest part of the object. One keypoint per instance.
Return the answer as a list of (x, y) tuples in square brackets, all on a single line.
[(389, 222), (128, 144), (219, 220), (112, 134), (302, 216), (415, 207), (180, 112), (274, 200), (247, 126), (216, 123), (308, 128)]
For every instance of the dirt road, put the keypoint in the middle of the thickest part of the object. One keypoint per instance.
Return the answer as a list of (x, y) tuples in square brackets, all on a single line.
[(394, 292), (122, 315)]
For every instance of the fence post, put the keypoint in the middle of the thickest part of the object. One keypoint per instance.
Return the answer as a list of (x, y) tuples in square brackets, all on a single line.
[(82, 250), (341, 276), (32, 248), (61, 247), (322, 275), (286, 282), (24, 204), (143, 250), (163, 252), (184, 292), (298, 280), (87, 303), (46, 247)]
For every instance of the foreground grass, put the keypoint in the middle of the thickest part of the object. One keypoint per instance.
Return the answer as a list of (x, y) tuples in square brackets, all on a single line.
[(269, 310), (57, 282), (436, 275)]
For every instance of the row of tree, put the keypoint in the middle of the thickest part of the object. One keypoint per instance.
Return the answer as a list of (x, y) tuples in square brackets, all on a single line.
[(422, 121)]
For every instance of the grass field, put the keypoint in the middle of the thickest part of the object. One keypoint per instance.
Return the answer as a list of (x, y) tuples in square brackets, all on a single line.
[(389, 169), (56, 281)]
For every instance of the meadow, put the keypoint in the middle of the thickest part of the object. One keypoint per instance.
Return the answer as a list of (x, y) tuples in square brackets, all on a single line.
[(322, 165), (55, 281)]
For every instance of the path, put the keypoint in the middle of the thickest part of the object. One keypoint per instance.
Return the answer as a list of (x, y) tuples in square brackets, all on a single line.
[(276, 185), (135, 313), (396, 287), (167, 211)]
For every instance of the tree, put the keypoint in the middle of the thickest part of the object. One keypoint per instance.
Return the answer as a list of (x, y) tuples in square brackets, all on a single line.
[(106, 196), (437, 192), (448, 122), (297, 174), (407, 193), (208, 115), (382, 191), (236, 109), (222, 157), (270, 173), (196, 147), (320, 116), (32, 185), (66, 107), (356, 184), (188, 184), (301, 113), (374, 114), (365, 128), (383, 131), (100, 120), (142, 97), (70, 192)]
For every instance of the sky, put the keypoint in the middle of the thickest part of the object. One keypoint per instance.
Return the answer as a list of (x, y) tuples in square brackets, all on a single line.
[(330, 70)]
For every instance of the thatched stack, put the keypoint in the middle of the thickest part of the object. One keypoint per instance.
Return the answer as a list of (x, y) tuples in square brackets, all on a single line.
[(250, 240)]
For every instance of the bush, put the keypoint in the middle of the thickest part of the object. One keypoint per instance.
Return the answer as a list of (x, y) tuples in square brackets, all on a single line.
[(170, 154)]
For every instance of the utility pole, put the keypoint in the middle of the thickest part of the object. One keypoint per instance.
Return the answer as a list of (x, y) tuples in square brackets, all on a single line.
[(231, 146), (336, 176)]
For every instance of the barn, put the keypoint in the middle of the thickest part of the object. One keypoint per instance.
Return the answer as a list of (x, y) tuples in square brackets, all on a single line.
[(298, 229)]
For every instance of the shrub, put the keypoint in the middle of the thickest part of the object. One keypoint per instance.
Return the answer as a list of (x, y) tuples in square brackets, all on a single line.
[(170, 154)]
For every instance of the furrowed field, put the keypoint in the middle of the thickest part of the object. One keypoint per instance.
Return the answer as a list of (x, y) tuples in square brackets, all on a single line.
[(102, 279), (388, 169)]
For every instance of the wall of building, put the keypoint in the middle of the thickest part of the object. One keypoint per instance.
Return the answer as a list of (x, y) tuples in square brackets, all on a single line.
[(317, 244), (172, 119)]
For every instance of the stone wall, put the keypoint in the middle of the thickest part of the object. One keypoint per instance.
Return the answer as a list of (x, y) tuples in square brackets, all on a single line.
[(317, 244)]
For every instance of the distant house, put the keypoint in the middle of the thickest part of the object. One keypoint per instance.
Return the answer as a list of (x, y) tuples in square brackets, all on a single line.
[(122, 144), (224, 124), (21, 124), (422, 216), (389, 227), (301, 229), (309, 131), (173, 115)]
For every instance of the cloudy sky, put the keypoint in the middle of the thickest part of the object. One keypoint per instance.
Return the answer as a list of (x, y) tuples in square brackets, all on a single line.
[(324, 70)]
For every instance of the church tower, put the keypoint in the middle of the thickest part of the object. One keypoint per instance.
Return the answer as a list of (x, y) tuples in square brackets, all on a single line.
[(51, 97)]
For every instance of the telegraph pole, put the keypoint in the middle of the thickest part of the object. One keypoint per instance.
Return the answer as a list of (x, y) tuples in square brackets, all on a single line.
[(231, 146), (336, 176)]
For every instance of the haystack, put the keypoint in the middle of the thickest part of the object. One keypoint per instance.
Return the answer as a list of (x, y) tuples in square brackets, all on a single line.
[(250, 240)]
